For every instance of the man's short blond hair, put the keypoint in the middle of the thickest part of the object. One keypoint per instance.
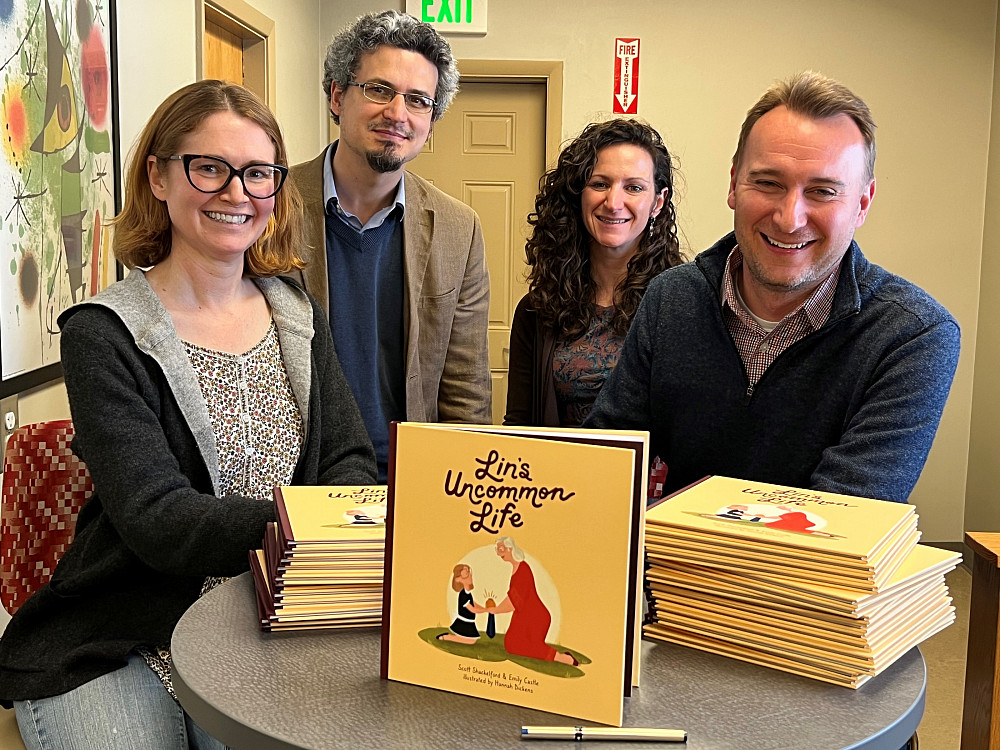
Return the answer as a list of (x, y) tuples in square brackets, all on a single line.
[(813, 95)]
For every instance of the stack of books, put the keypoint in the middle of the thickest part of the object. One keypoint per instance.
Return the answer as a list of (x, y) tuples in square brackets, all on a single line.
[(827, 586), (322, 562)]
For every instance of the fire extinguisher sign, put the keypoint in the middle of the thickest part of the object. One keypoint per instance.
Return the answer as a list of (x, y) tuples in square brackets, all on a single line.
[(626, 98)]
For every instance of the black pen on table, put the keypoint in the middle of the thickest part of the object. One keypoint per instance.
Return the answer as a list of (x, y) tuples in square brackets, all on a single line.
[(579, 734)]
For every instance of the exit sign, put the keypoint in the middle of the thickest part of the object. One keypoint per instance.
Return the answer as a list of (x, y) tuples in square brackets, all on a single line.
[(450, 16)]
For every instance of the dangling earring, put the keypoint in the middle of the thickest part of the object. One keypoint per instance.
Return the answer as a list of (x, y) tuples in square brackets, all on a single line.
[(651, 220)]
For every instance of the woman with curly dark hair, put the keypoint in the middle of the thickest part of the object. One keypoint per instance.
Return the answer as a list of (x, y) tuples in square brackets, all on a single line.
[(603, 227)]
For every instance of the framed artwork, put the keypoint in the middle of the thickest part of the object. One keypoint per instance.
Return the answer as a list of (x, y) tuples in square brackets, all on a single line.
[(59, 174)]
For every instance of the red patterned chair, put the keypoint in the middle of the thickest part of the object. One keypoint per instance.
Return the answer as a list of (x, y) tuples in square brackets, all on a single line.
[(657, 476), (44, 486)]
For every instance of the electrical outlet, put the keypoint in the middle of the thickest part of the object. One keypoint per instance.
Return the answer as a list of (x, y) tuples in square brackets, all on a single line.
[(11, 419)]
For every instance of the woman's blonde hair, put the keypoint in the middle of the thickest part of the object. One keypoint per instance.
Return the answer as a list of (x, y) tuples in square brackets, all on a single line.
[(142, 229)]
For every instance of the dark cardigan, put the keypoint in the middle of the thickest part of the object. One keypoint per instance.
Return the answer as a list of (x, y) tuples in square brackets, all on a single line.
[(850, 408), (531, 391), (154, 529)]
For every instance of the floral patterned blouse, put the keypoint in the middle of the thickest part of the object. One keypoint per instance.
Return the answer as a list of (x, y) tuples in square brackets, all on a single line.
[(580, 367), (258, 433)]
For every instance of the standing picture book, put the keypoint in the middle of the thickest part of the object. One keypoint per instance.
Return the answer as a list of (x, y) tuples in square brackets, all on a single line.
[(512, 564)]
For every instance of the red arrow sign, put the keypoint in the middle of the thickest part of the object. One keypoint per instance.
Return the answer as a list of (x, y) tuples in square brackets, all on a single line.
[(626, 99)]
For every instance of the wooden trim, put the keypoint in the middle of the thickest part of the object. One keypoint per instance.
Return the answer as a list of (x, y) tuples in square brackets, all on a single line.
[(981, 709), (258, 34), (984, 544)]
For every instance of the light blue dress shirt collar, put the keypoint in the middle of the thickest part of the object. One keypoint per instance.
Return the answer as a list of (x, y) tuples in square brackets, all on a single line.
[(330, 194)]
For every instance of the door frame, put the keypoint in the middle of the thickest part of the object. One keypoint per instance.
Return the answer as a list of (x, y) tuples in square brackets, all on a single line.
[(257, 32)]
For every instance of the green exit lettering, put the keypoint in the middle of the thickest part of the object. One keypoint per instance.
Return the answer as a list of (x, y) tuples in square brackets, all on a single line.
[(449, 11)]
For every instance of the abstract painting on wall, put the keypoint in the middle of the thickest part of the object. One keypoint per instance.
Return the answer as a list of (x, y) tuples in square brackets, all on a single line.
[(58, 174)]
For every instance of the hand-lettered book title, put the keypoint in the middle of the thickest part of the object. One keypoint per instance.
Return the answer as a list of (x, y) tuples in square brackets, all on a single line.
[(361, 495), (499, 486), (791, 496)]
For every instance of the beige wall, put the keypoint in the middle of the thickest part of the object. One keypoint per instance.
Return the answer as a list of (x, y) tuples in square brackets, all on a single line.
[(926, 69), (298, 74), (148, 71), (982, 512)]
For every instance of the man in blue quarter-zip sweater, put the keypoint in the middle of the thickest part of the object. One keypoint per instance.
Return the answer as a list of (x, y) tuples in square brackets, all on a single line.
[(781, 354)]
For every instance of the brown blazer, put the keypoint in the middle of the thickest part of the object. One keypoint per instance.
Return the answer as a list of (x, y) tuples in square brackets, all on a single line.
[(446, 291)]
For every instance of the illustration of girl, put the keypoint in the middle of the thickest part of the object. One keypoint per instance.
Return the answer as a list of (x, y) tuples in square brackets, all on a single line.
[(463, 629), (367, 515)]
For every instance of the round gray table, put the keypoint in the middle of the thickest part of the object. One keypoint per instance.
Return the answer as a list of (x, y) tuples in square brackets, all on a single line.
[(321, 689)]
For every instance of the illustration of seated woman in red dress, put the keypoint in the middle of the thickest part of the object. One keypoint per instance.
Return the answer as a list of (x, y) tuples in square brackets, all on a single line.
[(776, 517), (790, 519), (530, 619)]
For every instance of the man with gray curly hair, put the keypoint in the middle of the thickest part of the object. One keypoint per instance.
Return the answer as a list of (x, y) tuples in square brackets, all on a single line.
[(399, 265)]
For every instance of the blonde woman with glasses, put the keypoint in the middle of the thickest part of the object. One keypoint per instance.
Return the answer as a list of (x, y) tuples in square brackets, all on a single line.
[(196, 385)]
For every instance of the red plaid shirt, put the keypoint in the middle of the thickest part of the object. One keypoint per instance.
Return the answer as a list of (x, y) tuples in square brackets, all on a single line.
[(757, 347)]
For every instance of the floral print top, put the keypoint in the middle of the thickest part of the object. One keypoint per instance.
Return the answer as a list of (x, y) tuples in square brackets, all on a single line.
[(256, 420), (580, 367), (258, 433)]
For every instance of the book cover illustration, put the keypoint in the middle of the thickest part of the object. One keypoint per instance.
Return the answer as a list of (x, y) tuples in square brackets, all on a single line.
[(508, 571), (758, 523), (828, 586), (821, 522), (316, 518), (526, 588), (776, 516)]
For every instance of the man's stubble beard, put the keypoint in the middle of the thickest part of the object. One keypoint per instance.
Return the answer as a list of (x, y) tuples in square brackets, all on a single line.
[(809, 277)]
